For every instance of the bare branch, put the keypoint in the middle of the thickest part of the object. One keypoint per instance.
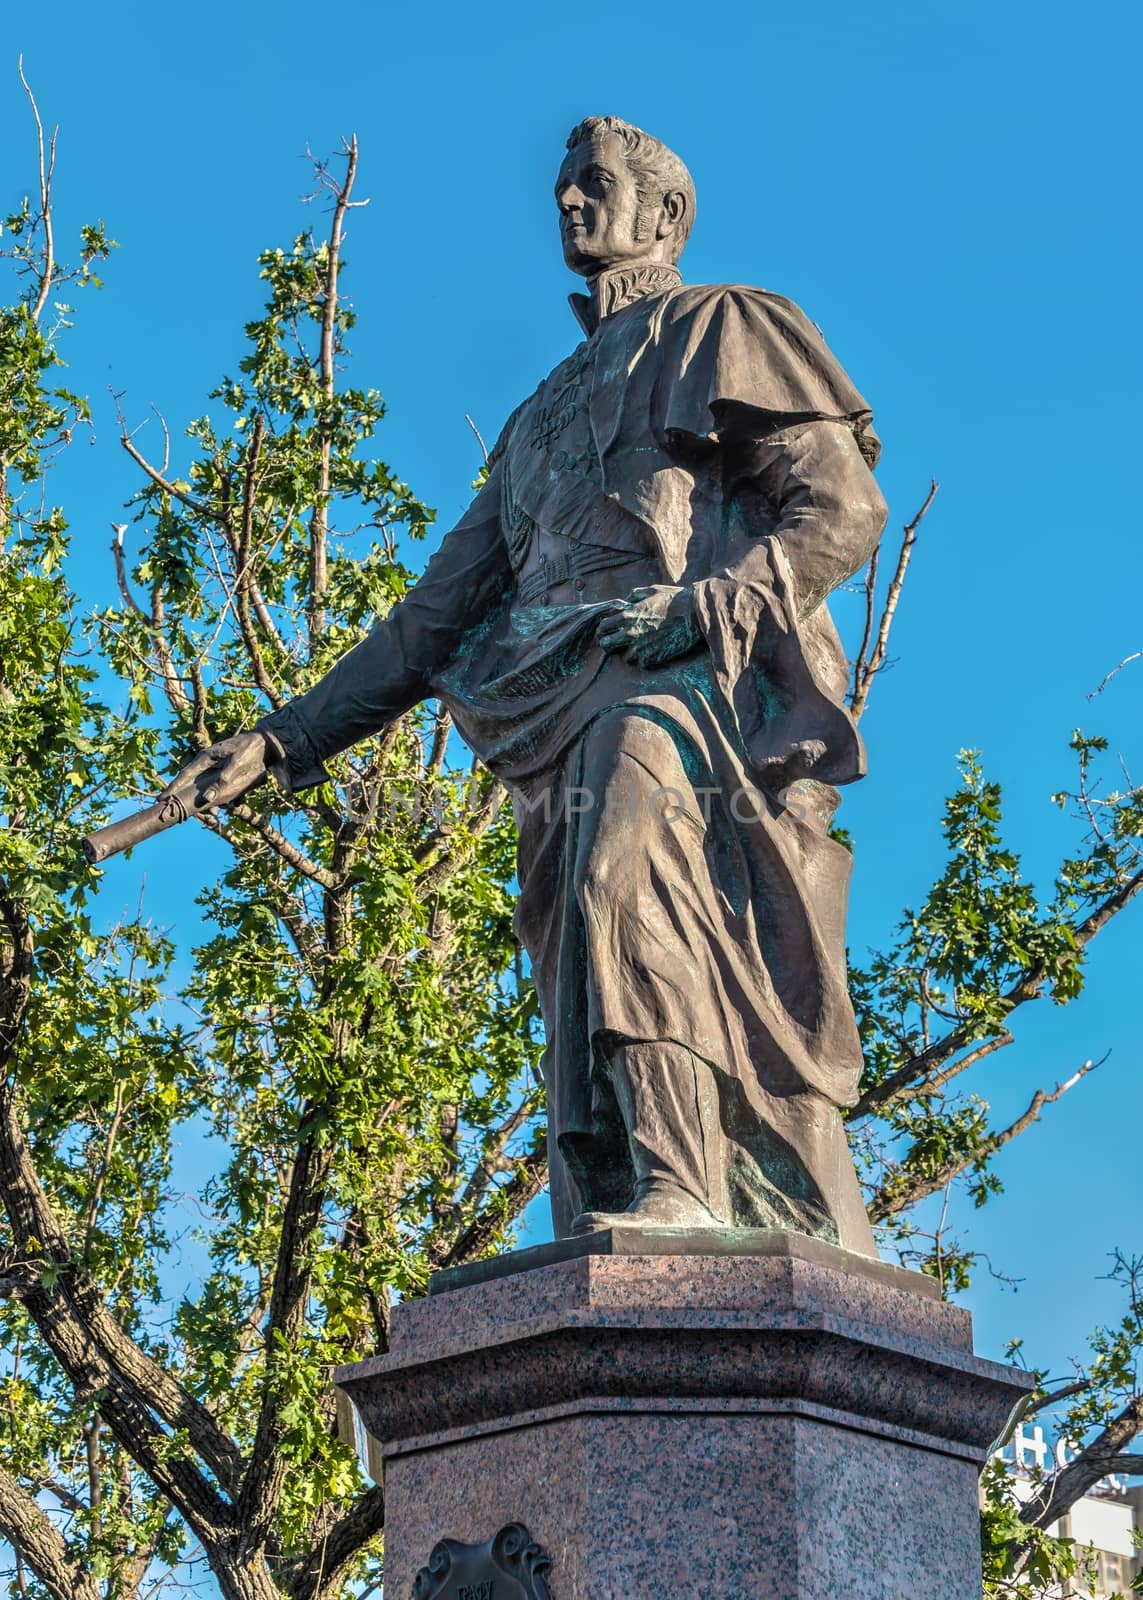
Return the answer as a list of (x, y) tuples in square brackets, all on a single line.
[(1136, 655), (70, 1502), (941, 1080), (278, 842), (262, 611), (442, 727), (866, 669), (172, 683), (160, 480), (455, 851), (47, 154), (894, 1196), (1103, 913), (92, 1434), (242, 562), (862, 660), (129, 600), (245, 565), (1040, 1099), (96, 1198), (479, 437), (1047, 1401), (493, 1160), (319, 517)]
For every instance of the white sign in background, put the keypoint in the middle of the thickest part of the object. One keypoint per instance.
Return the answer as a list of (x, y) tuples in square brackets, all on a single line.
[(1028, 1451)]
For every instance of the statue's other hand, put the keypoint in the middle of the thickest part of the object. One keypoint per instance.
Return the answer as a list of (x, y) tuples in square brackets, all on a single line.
[(656, 625), (222, 774)]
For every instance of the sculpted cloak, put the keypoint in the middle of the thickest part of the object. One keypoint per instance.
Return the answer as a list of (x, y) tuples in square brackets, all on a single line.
[(679, 890)]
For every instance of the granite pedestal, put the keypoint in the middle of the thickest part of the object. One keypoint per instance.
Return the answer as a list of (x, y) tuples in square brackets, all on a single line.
[(715, 1415)]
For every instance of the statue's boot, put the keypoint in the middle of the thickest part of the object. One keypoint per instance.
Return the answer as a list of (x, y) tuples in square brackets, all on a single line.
[(668, 1101)]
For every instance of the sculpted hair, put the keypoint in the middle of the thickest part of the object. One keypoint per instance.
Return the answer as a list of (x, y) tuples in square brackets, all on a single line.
[(656, 169)]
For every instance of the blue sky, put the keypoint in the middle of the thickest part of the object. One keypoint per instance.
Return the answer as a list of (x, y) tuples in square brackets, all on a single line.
[(947, 190)]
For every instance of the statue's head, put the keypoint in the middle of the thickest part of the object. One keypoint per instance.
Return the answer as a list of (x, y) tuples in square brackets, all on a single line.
[(624, 198)]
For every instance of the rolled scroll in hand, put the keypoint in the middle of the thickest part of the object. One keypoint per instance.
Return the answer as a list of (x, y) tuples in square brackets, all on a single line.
[(216, 777), (104, 842)]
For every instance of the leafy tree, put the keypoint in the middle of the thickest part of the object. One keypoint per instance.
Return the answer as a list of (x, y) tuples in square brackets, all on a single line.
[(357, 1040), (356, 1030)]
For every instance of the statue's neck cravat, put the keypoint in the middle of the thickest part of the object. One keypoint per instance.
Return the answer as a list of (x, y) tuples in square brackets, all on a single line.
[(616, 287)]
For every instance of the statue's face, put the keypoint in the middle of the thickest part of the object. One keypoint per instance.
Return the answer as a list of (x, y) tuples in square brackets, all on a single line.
[(599, 207)]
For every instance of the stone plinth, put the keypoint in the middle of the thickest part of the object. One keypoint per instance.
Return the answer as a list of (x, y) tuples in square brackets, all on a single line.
[(792, 1422)]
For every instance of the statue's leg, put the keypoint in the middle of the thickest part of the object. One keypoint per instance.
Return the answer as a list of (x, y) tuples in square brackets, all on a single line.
[(791, 1167), (668, 1101), (589, 1166), (709, 983)]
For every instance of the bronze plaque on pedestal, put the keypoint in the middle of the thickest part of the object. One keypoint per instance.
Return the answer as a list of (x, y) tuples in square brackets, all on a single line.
[(509, 1566)]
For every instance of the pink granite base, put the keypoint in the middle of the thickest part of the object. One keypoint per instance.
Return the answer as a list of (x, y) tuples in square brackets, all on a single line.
[(753, 1426)]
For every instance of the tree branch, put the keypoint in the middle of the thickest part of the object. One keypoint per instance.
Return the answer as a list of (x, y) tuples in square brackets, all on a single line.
[(479, 437), (891, 1198), (31, 1532), (504, 1206), (319, 517), (935, 1084), (442, 727), (862, 658), (242, 554), (16, 973), (278, 842), (1027, 987), (47, 154), (455, 852), (494, 1160), (262, 1486), (1097, 1460), (164, 483), (1057, 1396), (172, 684), (127, 1415), (71, 1313), (322, 1571), (1136, 655), (866, 668)]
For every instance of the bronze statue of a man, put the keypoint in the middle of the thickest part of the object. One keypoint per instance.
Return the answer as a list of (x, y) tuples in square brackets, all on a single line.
[(628, 626)]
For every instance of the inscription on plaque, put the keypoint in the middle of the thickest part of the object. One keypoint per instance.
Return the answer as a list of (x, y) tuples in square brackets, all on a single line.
[(509, 1566)]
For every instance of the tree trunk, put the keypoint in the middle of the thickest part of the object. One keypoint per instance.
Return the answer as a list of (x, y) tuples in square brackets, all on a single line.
[(243, 1578)]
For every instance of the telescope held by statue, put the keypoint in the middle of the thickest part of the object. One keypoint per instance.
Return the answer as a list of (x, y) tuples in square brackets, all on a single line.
[(166, 812)]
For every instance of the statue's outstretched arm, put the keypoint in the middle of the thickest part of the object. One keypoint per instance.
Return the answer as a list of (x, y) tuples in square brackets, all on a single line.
[(379, 679)]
